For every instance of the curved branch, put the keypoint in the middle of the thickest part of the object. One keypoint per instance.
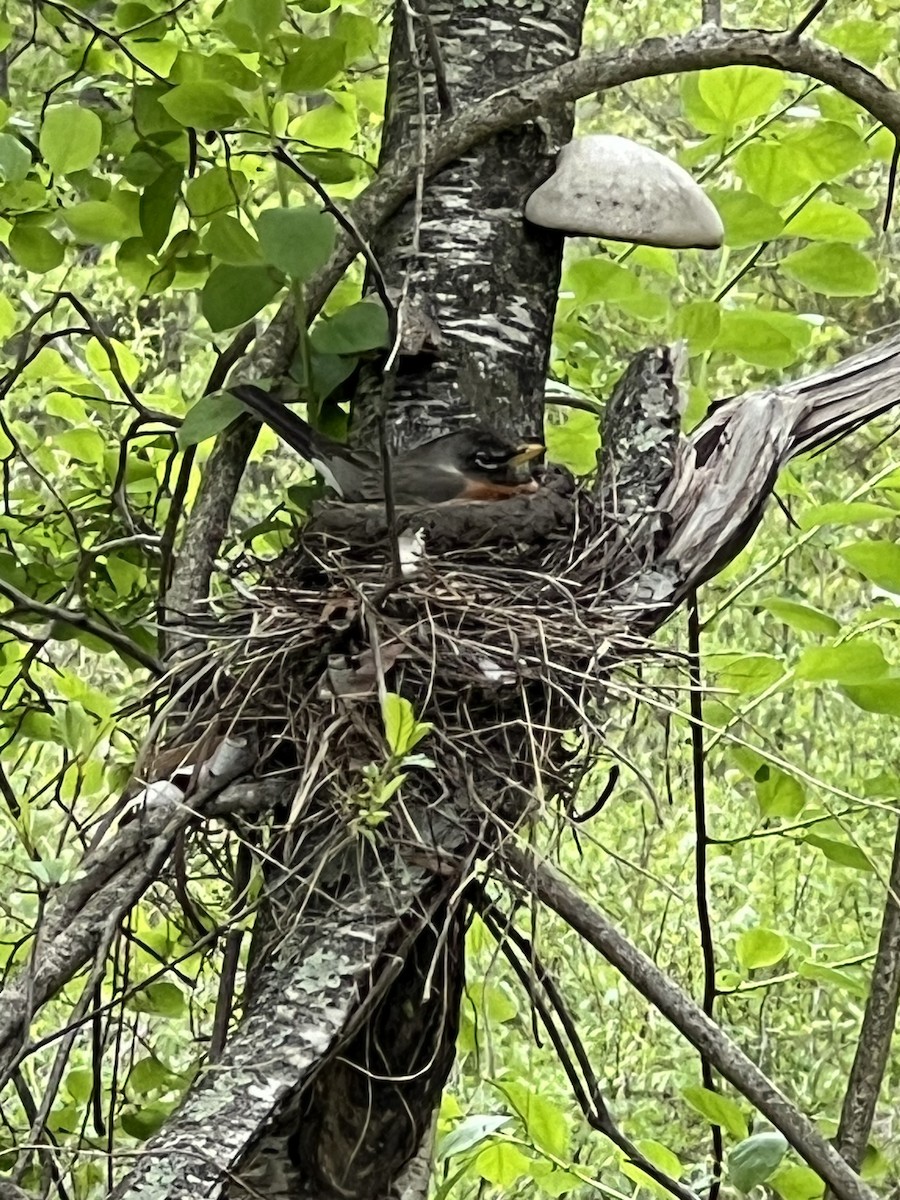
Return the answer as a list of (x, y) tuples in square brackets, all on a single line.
[(119, 641), (703, 49)]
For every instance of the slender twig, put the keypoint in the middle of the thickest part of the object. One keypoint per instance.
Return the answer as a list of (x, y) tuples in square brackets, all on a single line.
[(891, 185), (707, 947), (534, 977), (797, 32), (283, 155), (445, 99), (80, 620), (689, 1019)]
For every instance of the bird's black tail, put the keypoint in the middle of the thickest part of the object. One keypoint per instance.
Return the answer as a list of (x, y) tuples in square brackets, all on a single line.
[(290, 428)]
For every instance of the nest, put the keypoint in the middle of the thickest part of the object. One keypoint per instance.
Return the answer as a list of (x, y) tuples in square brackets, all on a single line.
[(502, 646)]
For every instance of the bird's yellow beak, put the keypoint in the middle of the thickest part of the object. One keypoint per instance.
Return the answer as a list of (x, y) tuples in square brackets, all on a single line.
[(526, 453)]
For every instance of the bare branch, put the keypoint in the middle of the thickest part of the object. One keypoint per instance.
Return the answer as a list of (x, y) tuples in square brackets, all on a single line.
[(111, 879), (80, 620), (806, 21), (644, 975), (873, 1047)]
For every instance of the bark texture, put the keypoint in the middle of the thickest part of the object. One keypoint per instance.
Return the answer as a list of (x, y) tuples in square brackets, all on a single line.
[(467, 261)]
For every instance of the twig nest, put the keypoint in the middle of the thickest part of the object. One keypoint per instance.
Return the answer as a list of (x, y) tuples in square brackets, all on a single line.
[(610, 187)]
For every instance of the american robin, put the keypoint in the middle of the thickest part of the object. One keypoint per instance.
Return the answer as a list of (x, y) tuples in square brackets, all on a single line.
[(471, 464)]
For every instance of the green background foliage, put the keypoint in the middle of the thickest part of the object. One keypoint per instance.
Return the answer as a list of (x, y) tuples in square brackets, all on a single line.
[(144, 222)]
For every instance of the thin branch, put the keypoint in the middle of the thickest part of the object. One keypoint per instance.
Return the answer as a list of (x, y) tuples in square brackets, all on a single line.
[(644, 975), (533, 976), (698, 764), (80, 620), (805, 23), (445, 99), (711, 12), (877, 1030)]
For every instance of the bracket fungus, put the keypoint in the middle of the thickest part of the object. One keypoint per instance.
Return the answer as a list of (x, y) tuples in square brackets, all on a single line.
[(610, 187)]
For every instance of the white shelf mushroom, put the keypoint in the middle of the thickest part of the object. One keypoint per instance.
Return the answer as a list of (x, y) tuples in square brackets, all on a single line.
[(610, 187)]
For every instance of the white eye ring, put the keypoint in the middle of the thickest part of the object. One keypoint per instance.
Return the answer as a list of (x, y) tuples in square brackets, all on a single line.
[(487, 461)]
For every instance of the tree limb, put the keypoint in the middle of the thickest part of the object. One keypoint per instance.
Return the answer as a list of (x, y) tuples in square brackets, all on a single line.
[(80, 620), (702, 49), (644, 975), (877, 1030)]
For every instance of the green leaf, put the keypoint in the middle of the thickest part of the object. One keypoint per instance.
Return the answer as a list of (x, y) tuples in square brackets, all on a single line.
[(856, 661), (327, 125), (717, 1109), (600, 281), (825, 221), (857, 512), (745, 673), (147, 1121), (85, 445), (882, 696), (213, 191), (878, 560), (70, 138), (747, 218), (96, 222), (766, 339), (767, 169), (401, 729), (661, 1157), (135, 263), (79, 1083), (735, 95), (208, 417), (795, 1182), (502, 1164), (470, 1132), (161, 998), (752, 1161), (203, 105), (575, 443), (801, 617), (150, 1075), (778, 794), (760, 948), (226, 239), (296, 240), (233, 295), (261, 17), (359, 34), (833, 977), (360, 327), (314, 63), (698, 322), (327, 372), (546, 1126), (833, 269), (157, 205), (332, 166), (491, 1002), (826, 151), (865, 41), (845, 854), (15, 160), (35, 248)]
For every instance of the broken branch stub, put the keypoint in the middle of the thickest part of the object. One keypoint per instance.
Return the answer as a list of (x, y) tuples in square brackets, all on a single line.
[(611, 187)]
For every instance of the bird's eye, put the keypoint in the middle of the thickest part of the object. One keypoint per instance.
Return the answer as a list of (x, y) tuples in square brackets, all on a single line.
[(488, 461)]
